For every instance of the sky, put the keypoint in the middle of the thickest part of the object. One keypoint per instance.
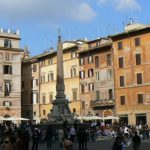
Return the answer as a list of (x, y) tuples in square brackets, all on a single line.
[(40, 20)]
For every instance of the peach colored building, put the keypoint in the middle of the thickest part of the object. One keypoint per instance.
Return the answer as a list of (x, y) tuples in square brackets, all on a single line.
[(132, 67)]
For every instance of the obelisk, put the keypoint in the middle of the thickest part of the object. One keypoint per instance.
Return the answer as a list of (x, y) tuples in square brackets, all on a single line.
[(60, 111)]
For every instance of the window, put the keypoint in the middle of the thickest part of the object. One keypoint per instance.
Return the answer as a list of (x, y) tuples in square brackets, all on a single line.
[(7, 88), (7, 43), (51, 98), (35, 98), (108, 59), (34, 68), (44, 99), (121, 62), (7, 103), (110, 93), (120, 45), (81, 61), (109, 74), (82, 88), (50, 61), (121, 81), (140, 98), (82, 74), (7, 69), (7, 56), (74, 93), (90, 59), (44, 112), (137, 41), (96, 61), (83, 105), (98, 43), (97, 76), (34, 83), (74, 110), (34, 113), (139, 78), (90, 73), (97, 95), (91, 86), (73, 72), (138, 59), (73, 54), (122, 100), (51, 76)]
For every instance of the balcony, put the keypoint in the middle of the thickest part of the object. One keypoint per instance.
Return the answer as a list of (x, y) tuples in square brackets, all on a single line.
[(107, 103)]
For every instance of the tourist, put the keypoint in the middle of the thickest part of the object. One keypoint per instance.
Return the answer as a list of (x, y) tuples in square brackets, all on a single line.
[(60, 136), (136, 141), (81, 134), (8, 143), (68, 145), (35, 138), (72, 133)]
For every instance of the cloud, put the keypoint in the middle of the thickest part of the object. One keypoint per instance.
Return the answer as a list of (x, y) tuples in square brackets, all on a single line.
[(123, 4), (128, 4), (46, 10)]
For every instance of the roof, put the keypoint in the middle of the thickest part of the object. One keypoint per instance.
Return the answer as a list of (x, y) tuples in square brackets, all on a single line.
[(97, 47), (37, 57), (98, 39), (130, 31)]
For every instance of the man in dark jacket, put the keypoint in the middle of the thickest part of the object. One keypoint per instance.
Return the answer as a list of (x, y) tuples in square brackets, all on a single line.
[(136, 141)]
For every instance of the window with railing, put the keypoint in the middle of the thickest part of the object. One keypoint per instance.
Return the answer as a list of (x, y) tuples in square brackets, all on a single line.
[(7, 103), (81, 61), (7, 88), (82, 74)]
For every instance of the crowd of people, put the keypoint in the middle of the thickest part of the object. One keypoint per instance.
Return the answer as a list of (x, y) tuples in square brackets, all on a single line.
[(27, 135)]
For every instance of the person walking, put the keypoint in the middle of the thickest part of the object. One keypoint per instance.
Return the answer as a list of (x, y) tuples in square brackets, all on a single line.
[(60, 136), (35, 138), (136, 141), (72, 133)]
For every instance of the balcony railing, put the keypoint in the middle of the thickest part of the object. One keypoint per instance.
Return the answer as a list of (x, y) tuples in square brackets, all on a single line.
[(103, 103)]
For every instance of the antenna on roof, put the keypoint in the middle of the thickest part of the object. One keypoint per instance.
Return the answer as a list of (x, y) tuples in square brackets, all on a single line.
[(131, 21)]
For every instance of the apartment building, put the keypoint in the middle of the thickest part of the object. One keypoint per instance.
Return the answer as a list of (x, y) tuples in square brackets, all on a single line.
[(40, 72), (131, 68), (96, 78), (10, 73)]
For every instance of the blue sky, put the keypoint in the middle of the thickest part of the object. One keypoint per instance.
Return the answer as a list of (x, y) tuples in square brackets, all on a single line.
[(39, 20)]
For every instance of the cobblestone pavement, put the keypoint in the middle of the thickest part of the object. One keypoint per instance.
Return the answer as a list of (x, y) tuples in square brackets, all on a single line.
[(102, 143), (98, 145)]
